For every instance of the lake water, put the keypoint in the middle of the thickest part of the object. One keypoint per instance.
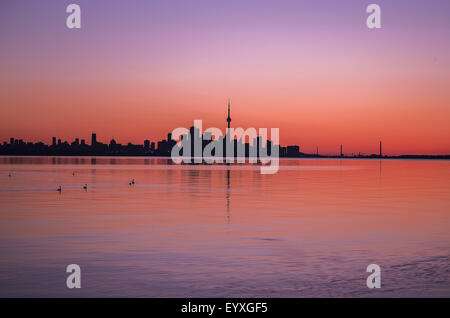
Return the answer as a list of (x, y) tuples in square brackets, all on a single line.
[(224, 231)]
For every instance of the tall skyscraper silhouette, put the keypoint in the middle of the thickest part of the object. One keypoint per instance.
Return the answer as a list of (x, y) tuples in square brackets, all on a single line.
[(94, 139), (229, 117), (381, 153)]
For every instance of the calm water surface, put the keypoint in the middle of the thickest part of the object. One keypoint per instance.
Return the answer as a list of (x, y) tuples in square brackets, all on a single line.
[(224, 231)]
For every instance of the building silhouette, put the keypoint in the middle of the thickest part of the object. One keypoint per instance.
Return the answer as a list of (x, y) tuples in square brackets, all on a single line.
[(381, 152), (229, 117), (93, 139), (163, 148)]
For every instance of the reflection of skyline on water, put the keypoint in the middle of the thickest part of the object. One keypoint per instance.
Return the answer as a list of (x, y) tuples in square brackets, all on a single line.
[(225, 230), (228, 195)]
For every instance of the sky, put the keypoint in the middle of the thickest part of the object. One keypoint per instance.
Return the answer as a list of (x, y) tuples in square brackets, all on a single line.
[(139, 69)]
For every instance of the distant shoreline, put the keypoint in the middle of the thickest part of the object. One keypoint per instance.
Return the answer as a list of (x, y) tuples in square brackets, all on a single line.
[(304, 156)]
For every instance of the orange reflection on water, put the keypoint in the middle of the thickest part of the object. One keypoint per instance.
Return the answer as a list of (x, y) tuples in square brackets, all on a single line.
[(309, 230)]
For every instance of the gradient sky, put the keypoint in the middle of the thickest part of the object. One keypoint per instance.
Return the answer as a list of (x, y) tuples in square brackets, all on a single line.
[(138, 69)]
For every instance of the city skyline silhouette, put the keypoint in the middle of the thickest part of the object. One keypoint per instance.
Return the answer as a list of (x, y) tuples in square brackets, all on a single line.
[(163, 147)]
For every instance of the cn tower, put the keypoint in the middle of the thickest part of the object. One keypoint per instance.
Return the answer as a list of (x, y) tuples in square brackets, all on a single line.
[(229, 118)]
